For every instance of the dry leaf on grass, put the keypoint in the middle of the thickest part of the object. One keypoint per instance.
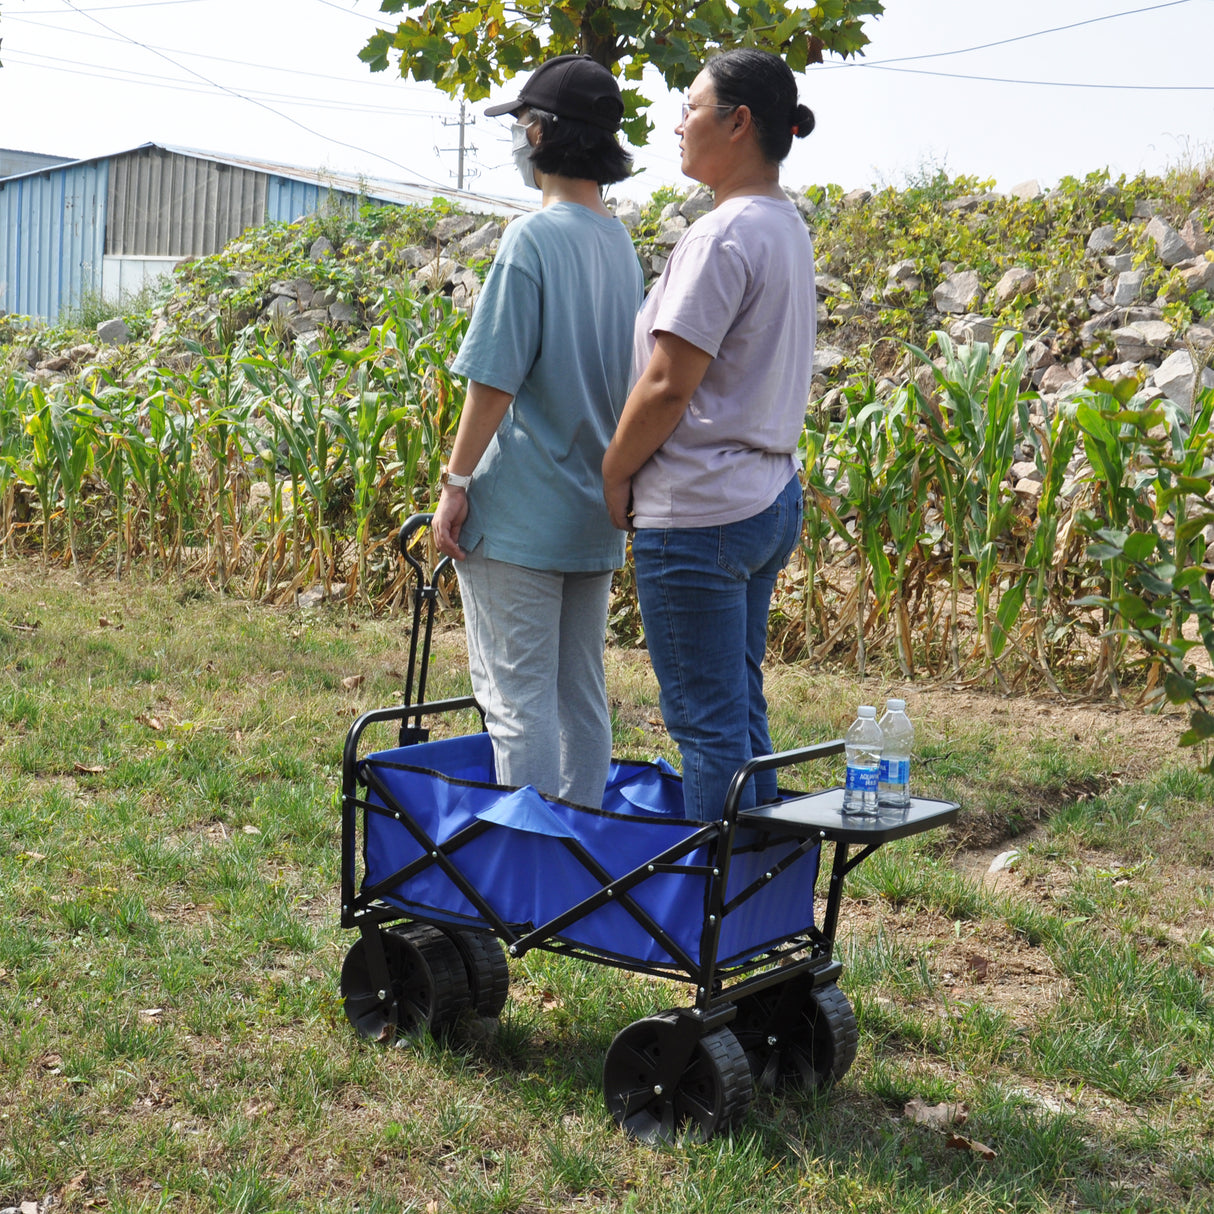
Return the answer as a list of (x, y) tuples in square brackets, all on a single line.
[(87, 771), (978, 966), (958, 1142), (353, 681), (937, 1116), (150, 721)]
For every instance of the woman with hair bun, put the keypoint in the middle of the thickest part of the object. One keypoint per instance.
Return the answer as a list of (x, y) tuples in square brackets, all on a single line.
[(704, 462)]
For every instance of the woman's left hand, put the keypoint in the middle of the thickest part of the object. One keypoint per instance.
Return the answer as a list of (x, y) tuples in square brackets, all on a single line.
[(618, 497)]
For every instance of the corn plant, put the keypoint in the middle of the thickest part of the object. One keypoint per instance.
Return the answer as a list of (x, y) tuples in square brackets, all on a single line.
[(14, 449), (363, 425), (413, 348), (972, 435), (1111, 436), (224, 406), (122, 455)]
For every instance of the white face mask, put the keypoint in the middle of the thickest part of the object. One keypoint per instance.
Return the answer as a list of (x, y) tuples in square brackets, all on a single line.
[(520, 149)]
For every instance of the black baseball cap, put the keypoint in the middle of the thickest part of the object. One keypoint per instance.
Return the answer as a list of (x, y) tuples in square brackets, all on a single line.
[(571, 86)]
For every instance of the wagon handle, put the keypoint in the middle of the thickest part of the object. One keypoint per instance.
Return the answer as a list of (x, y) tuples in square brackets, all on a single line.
[(784, 758), (424, 592)]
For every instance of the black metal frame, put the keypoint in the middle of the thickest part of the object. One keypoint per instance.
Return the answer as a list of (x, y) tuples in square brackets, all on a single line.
[(814, 819)]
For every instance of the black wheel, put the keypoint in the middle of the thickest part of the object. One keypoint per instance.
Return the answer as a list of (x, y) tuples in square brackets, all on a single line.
[(486, 968), (427, 986), (708, 1098), (796, 1036)]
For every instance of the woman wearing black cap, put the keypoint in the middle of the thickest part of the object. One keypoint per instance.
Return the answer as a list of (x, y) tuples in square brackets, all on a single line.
[(547, 356), (704, 463)]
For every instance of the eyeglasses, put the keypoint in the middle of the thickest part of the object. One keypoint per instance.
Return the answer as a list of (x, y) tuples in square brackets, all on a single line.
[(688, 106)]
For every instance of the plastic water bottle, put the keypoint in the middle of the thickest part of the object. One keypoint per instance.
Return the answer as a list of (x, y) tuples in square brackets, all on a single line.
[(863, 747), (898, 737)]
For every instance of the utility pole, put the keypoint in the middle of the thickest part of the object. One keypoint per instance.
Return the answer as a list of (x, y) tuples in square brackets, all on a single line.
[(463, 122)]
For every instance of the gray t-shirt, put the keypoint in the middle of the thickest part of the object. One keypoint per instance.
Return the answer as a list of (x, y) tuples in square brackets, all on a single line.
[(553, 327), (739, 286)]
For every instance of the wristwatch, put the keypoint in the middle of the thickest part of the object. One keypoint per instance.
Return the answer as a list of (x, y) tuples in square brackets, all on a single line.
[(454, 480)]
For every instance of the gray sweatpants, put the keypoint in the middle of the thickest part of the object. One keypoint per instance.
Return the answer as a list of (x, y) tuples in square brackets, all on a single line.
[(535, 652)]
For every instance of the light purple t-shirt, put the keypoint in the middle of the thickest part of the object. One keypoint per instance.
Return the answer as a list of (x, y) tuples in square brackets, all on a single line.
[(739, 286)]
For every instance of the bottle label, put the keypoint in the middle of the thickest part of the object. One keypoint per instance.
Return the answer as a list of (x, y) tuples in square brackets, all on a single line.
[(862, 779), (895, 771)]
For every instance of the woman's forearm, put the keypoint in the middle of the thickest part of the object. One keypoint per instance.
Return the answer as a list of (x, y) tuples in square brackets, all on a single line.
[(655, 406), (484, 408)]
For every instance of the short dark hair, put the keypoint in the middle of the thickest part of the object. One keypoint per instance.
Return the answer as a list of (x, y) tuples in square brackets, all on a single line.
[(569, 148), (763, 83)]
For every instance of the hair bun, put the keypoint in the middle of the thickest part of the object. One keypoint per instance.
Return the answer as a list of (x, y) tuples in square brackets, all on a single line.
[(802, 121)]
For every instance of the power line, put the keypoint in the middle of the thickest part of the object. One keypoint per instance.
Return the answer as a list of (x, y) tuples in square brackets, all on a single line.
[(252, 101), (348, 11), (124, 75), (108, 8), (986, 46), (265, 67), (1059, 84)]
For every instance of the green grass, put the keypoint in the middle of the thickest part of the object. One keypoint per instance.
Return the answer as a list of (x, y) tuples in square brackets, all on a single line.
[(171, 1036)]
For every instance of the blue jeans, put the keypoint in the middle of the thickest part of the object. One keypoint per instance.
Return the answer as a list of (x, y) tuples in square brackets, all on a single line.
[(705, 593)]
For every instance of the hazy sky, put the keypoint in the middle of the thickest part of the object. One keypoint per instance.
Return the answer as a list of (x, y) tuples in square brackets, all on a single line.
[(1036, 89)]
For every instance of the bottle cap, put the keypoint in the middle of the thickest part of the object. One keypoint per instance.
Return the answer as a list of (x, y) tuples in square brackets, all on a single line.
[(867, 710), (896, 705)]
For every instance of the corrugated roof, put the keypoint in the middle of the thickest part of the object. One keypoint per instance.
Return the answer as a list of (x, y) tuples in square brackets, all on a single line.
[(400, 192)]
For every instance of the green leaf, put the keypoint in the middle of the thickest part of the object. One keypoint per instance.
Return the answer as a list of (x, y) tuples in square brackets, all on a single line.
[(1139, 545), (1201, 728)]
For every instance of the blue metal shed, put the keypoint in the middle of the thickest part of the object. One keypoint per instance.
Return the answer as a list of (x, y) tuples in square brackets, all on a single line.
[(70, 230)]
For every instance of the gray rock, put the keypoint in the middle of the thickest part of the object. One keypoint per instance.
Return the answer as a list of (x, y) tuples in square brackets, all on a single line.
[(343, 313), (628, 212), (968, 203), (321, 248), (959, 292), (1026, 191), (415, 256), (1195, 235), (1198, 274), (1129, 287), (1118, 263), (1175, 378), (670, 232), (1139, 342), (288, 290), (480, 240), (1147, 208), (827, 358), (657, 263), (1169, 243), (452, 227), (829, 284), (1055, 378), (281, 305), (307, 322), (435, 275), (698, 202), (1103, 239), (1016, 281), (324, 297), (1105, 323), (669, 211), (856, 198), (973, 328), (114, 332)]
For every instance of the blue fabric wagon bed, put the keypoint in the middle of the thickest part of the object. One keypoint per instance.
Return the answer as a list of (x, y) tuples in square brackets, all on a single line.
[(534, 861)]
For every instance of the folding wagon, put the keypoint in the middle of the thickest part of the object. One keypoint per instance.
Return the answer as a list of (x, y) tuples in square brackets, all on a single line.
[(442, 866)]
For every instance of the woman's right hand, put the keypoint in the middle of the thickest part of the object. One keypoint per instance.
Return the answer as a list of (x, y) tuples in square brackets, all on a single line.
[(448, 521)]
